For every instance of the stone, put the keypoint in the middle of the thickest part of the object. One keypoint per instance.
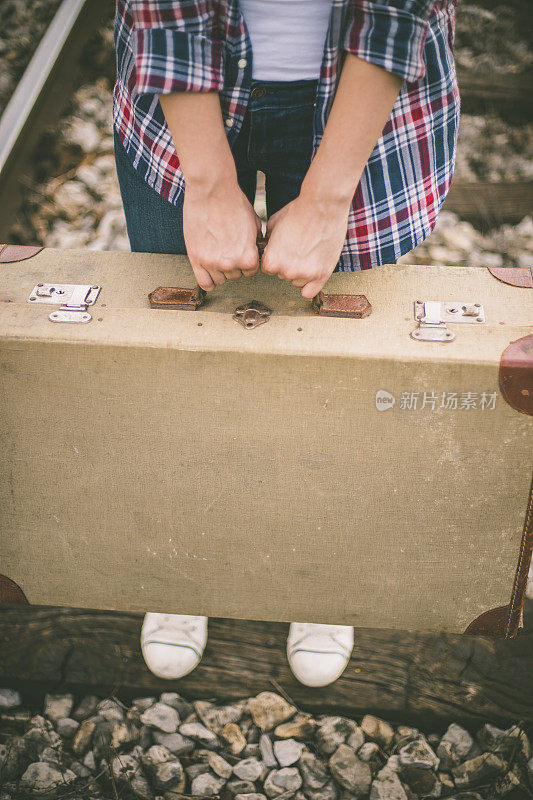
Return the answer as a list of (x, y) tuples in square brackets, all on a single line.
[(144, 703), (283, 780), (387, 786), (301, 726), (11, 759), (454, 746), (199, 733), (326, 792), (156, 754), (160, 716), (89, 761), (80, 770), (217, 717), (42, 779), (51, 755), (313, 770), (193, 770), (350, 771), (207, 784), (102, 736), (269, 710), (500, 742), (369, 752), (85, 134), (110, 710), (236, 787), (167, 775), (67, 727), (9, 698), (177, 743), (334, 732), (287, 751), (234, 738), (123, 735), (182, 706), (250, 769), (378, 730), (58, 706), (478, 770), (252, 750), (219, 765), (83, 737), (418, 753), (267, 750), (250, 796)]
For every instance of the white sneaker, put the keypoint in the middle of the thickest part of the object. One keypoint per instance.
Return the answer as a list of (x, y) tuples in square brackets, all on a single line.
[(318, 654), (173, 644)]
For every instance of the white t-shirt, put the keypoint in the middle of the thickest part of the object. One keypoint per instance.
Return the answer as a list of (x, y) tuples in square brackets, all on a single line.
[(287, 36)]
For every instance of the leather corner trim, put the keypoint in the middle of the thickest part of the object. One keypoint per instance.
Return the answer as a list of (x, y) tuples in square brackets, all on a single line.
[(17, 252), (514, 276), (490, 623), (11, 594), (516, 374)]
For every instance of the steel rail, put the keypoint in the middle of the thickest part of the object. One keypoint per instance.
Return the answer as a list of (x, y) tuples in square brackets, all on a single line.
[(41, 94)]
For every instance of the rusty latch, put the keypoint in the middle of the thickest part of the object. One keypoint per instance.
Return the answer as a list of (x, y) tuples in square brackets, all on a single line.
[(342, 305), (173, 297), (252, 314)]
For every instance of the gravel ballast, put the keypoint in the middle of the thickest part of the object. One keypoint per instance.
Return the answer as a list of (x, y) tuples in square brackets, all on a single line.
[(169, 748)]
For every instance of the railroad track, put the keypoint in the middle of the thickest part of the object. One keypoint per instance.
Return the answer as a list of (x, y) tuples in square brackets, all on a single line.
[(53, 73), (42, 94)]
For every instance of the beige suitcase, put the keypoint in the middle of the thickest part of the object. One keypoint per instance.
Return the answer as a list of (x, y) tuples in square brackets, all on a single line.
[(278, 463)]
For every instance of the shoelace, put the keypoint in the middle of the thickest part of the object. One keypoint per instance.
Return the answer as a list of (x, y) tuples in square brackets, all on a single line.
[(319, 630), (185, 626)]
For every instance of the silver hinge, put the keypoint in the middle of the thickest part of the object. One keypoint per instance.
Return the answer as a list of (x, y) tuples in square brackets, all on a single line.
[(432, 316), (73, 299)]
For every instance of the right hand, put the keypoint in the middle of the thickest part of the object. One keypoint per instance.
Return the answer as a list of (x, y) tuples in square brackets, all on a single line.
[(220, 228)]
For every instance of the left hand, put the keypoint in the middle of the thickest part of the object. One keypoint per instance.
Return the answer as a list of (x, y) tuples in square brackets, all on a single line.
[(305, 240)]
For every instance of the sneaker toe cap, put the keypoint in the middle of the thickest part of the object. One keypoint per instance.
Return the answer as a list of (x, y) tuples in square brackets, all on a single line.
[(169, 661), (317, 669)]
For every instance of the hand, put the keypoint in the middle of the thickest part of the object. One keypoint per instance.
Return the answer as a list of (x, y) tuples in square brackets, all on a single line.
[(220, 229), (305, 240)]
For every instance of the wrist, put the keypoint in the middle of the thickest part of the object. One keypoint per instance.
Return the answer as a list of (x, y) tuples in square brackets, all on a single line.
[(212, 179), (324, 188)]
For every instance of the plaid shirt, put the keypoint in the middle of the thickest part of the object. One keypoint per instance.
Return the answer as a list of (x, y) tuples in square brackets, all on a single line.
[(167, 46)]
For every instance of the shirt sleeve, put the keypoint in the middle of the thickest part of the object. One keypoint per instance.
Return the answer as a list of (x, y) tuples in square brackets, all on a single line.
[(176, 48), (390, 34)]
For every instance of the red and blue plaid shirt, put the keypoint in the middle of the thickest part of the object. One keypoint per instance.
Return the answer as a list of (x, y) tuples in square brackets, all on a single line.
[(203, 45)]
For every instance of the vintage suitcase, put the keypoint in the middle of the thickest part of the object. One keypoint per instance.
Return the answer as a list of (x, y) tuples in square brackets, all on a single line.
[(267, 463)]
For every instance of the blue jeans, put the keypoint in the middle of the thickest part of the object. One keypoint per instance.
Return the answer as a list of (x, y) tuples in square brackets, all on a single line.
[(276, 138)]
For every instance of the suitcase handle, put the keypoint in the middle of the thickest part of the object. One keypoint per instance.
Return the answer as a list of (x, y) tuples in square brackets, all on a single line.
[(327, 305)]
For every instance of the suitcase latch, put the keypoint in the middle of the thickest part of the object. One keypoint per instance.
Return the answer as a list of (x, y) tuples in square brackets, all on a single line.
[(73, 299), (432, 316), (252, 314)]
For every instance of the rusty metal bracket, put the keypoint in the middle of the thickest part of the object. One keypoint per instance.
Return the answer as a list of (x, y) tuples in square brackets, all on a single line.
[(252, 314), (174, 298), (342, 305)]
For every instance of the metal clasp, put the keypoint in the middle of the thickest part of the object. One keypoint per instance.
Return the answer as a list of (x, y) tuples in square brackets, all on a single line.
[(73, 299), (252, 314), (432, 316)]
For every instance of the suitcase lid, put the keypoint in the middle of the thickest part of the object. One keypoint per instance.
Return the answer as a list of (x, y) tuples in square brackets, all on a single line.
[(122, 313)]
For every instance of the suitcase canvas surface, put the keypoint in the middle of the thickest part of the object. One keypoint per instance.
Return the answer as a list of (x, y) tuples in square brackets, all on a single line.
[(311, 468)]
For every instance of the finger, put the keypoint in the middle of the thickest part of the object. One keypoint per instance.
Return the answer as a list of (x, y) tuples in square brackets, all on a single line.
[(299, 282), (271, 223), (203, 278), (312, 288), (233, 274), (268, 266), (217, 277)]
